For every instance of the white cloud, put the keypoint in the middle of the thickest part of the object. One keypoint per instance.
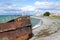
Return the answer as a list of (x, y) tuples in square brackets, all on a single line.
[(7, 9), (37, 7), (42, 6), (2, 11), (47, 5), (28, 8)]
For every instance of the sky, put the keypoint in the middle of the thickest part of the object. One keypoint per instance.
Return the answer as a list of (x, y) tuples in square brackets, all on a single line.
[(30, 7)]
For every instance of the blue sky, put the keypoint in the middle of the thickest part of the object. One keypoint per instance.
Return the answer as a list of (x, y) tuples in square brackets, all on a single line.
[(16, 7)]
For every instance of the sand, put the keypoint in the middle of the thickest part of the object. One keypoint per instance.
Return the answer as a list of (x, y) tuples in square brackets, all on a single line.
[(49, 29)]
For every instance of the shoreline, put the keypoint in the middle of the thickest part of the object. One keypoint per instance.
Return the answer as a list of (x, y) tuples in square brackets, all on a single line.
[(35, 17), (37, 25), (50, 27)]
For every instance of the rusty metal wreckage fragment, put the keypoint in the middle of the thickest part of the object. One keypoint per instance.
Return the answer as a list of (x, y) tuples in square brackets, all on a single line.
[(16, 29)]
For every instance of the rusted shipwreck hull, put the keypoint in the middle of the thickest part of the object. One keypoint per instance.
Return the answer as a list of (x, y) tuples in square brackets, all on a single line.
[(16, 29)]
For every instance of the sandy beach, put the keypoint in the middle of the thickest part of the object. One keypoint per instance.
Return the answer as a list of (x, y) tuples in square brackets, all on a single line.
[(49, 29)]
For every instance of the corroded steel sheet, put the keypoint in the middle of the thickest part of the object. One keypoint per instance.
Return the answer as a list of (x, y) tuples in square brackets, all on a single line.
[(16, 29), (15, 23)]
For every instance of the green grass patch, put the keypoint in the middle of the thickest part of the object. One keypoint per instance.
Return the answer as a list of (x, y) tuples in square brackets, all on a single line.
[(4, 38), (57, 17)]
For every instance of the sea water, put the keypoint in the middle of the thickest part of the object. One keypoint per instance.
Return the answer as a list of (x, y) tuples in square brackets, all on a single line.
[(5, 18)]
